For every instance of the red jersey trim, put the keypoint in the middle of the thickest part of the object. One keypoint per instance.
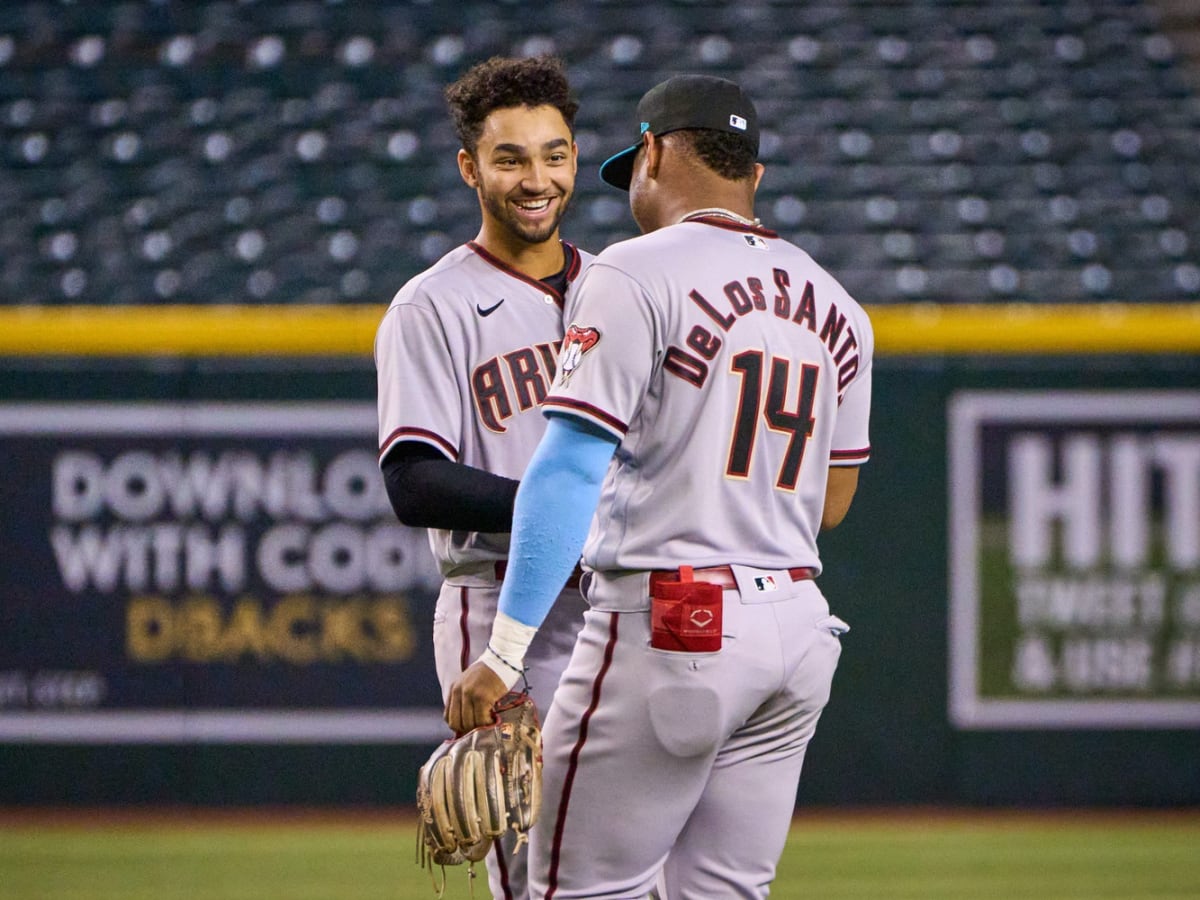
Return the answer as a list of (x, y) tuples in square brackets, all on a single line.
[(564, 803), (424, 435), (730, 225), (573, 263), (587, 411), (849, 457)]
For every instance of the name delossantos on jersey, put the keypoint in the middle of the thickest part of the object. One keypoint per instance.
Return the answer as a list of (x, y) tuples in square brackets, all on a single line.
[(745, 296)]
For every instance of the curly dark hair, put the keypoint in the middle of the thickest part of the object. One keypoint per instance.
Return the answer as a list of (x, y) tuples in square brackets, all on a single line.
[(502, 82), (729, 155)]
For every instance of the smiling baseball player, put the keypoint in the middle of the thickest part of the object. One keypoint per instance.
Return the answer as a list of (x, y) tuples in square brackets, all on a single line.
[(466, 353), (712, 406)]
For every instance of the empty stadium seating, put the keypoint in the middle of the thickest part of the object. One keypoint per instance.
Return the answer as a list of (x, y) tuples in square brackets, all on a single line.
[(299, 152)]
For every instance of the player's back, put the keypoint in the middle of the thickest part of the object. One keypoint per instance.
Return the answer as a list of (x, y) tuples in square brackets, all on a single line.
[(725, 451)]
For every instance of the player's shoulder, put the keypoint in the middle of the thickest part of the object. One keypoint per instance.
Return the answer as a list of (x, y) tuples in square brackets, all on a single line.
[(637, 246), (833, 296), (680, 243), (684, 246), (442, 278), (630, 256), (826, 280)]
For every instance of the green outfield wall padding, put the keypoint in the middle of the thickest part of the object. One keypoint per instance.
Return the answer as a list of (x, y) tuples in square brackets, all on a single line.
[(1095, 707)]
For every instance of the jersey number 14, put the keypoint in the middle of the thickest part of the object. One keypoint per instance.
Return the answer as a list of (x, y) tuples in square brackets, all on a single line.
[(796, 423)]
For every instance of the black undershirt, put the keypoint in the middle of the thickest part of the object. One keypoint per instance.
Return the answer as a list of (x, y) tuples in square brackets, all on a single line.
[(427, 490), (557, 281)]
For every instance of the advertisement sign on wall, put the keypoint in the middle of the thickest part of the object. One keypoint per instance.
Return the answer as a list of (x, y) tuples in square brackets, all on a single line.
[(207, 572), (1074, 559)]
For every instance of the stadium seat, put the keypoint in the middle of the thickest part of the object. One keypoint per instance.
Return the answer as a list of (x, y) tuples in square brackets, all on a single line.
[(300, 152)]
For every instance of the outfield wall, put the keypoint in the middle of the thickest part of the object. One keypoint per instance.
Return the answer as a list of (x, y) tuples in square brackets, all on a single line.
[(205, 599)]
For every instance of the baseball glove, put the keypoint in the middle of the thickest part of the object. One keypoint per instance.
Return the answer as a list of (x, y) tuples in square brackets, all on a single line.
[(475, 787)]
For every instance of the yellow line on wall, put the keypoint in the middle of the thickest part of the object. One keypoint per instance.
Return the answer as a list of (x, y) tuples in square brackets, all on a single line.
[(900, 330), (188, 330), (1017, 329)]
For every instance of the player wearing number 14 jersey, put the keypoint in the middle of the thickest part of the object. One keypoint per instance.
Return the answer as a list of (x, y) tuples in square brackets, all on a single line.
[(711, 407), (744, 377)]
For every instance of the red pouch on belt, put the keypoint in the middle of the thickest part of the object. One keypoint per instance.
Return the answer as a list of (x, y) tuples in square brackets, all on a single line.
[(685, 615)]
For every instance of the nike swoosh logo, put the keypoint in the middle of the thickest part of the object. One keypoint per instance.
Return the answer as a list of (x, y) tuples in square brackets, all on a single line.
[(491, 309)]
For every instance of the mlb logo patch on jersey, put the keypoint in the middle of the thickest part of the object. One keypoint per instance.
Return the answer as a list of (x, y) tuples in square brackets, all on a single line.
[(577, 341), (756, 242), (765, 583)]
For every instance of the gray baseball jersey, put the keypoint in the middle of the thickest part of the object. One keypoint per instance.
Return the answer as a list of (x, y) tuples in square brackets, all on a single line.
[(465, 354), (735, 371)]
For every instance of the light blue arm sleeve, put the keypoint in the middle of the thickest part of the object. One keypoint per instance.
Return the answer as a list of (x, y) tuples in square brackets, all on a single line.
[(552, 514)]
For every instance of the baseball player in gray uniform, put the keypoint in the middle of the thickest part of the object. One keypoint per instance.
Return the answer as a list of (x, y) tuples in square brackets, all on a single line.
[(711, 406), (465, 354)]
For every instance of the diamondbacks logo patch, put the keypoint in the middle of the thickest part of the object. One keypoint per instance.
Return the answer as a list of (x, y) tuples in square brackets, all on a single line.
[(577, 341)]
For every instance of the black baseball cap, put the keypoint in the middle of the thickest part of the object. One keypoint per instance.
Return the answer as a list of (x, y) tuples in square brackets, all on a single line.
[(686, 101)]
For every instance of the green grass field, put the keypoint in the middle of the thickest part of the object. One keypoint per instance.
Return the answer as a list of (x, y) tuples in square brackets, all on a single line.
[(923, 855)]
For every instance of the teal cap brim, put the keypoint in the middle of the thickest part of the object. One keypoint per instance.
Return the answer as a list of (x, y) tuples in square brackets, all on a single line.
[(617, 170)]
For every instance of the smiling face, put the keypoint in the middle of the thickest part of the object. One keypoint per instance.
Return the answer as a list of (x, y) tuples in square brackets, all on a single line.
[(523, 169)]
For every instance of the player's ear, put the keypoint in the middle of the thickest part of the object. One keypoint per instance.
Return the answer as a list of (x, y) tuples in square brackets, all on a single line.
[(468, 169), (759, 168), (652, 149)]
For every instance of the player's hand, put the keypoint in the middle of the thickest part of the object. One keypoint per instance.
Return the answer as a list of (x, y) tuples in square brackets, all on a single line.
[(472, 697)]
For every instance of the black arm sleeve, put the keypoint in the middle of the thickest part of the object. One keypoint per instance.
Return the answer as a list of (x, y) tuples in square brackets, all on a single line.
[(429, 491)]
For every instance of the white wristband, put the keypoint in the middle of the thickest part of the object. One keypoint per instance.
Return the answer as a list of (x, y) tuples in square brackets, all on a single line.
[(505, 653)]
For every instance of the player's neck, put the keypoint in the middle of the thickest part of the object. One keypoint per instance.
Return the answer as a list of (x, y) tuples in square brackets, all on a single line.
[(724, 201), (535, 260)]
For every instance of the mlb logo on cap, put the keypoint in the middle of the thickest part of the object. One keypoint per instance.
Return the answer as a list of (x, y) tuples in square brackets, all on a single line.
[(686, 101)]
